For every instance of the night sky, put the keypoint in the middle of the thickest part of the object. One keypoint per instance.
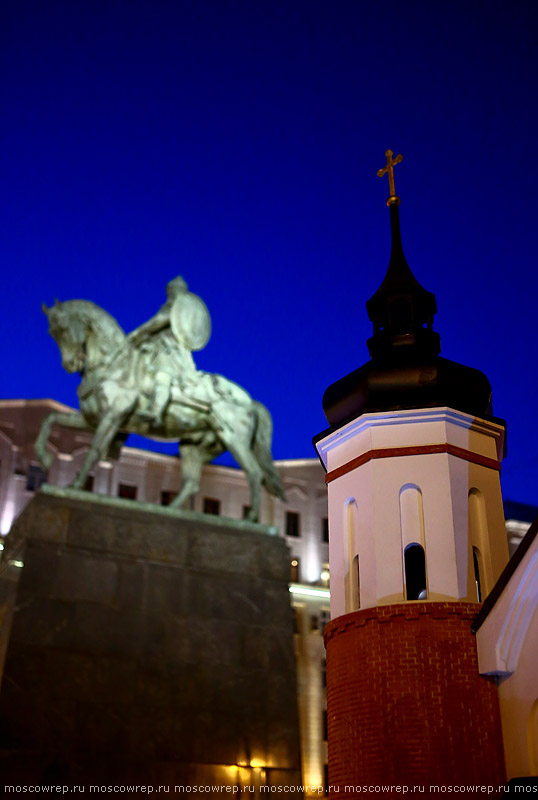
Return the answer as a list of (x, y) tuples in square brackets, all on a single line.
[(237, 144)]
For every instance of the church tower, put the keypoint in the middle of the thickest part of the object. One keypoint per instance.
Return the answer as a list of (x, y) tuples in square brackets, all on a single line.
[(417, 540)]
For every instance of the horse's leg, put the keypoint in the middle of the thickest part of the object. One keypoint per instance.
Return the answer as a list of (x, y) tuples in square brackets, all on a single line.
[(247, 460), (106, 431), (193, 458), (242, 453), (67, 420)]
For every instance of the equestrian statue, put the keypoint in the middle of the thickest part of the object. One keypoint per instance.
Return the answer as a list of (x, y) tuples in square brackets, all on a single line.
[(146, 382)]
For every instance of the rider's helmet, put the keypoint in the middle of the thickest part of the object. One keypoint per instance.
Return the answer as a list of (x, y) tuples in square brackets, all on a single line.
[(175, 287)]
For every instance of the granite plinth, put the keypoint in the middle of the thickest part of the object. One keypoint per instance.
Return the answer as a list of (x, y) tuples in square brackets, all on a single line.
[(147, 644)]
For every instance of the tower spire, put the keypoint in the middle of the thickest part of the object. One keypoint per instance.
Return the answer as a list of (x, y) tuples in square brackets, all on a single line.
[(401, 309), (405, 370)]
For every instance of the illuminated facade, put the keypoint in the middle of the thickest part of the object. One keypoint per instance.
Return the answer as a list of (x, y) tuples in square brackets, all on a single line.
[(155, 478)]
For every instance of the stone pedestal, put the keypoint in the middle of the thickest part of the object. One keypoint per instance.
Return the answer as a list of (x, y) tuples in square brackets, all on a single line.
[(147, 645)]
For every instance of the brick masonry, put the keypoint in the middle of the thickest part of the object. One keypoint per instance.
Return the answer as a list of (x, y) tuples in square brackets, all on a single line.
[(405, 701), (148, 646)]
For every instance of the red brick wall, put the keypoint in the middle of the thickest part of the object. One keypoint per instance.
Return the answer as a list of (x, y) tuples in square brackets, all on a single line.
[(405, 702)]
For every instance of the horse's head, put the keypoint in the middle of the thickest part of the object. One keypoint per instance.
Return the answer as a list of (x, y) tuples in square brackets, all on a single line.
[(84, 333), (69, 333)]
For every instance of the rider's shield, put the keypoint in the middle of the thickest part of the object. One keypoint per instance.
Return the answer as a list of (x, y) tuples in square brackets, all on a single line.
[(190, 321)]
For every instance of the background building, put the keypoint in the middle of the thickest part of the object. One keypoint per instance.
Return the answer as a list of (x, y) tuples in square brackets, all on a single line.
[(151, 477)]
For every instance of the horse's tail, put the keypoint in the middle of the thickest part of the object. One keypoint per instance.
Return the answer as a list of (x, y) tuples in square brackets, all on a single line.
[(262, 450)]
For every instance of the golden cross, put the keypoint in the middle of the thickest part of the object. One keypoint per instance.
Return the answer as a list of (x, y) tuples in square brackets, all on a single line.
[(391, 162)]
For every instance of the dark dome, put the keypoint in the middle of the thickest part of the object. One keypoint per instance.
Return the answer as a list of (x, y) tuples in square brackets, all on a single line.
[(406, 370), (409, 383)]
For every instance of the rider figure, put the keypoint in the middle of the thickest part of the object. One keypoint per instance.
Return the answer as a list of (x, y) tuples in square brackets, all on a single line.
[(170, 353)]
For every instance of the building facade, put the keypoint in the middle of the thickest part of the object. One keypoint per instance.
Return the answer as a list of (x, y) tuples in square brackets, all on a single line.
[(151, 477)]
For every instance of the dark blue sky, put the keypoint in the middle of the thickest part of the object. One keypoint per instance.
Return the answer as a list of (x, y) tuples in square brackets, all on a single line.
[(237, 143)]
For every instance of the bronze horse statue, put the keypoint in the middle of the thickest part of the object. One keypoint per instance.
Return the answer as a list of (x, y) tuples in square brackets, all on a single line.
[(206, 414)]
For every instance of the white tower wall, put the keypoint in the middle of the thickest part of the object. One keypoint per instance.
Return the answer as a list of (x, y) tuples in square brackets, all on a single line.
[(421, 476)]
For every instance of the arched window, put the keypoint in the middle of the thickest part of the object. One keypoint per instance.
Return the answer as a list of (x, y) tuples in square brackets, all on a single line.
[(415, 572), (351, 563), (478, 534), (413, 542)]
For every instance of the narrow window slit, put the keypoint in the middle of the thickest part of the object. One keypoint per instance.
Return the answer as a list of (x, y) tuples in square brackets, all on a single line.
[(477, 576), (415, 572)]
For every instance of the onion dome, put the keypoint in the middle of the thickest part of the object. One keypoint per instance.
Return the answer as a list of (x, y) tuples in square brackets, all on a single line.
[(401, 310), (405, 370)]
